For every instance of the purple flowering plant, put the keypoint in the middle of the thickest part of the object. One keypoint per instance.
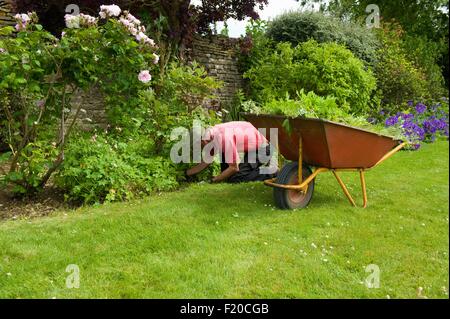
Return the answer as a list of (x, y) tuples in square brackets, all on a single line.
[(421, 123)]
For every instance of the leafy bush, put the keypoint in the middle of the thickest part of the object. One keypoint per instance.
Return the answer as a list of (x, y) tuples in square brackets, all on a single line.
[(187, 87), (297, 27), (326, 69), (426, 55), (39, 73), (100, 168), (105, 167), (132, 159), (239, 105), (255, 45), (399, 79), (421, 19), (153, 114)]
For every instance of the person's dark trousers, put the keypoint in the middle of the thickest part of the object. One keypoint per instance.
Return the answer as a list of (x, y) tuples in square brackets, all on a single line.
[(250, 172)]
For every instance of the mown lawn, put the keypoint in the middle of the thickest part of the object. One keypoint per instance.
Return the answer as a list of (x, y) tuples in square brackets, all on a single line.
[(224, 241)]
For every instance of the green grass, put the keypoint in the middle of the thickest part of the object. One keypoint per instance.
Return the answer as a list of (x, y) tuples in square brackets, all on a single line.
[(227, 241)]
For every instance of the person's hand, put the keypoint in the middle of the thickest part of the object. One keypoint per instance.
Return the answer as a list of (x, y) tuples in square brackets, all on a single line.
[(188, 178)]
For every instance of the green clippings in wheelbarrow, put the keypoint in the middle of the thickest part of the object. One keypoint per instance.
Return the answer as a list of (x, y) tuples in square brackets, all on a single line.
[(326, 144)]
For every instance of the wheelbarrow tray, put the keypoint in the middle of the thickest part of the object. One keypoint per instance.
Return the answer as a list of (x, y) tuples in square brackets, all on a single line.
[(325, 144)]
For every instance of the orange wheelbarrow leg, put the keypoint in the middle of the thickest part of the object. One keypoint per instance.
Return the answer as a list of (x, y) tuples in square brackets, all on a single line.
[(363, 187), (344, 188)]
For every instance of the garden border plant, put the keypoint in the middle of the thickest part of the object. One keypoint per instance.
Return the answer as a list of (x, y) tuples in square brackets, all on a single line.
[(40, 73), (326, 69), (111, 53)]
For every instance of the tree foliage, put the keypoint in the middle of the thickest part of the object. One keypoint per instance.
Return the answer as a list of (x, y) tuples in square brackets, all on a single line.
[(180, 18), (297, 27), (327, 69), (425, 20)]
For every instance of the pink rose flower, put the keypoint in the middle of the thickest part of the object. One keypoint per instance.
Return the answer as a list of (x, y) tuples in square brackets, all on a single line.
[(110, 11), (145, 76)]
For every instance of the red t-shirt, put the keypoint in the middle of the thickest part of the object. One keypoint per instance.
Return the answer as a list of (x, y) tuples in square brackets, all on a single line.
[(233, 138)]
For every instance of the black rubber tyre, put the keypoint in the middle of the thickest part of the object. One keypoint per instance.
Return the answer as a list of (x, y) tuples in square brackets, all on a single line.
[(290, 199)]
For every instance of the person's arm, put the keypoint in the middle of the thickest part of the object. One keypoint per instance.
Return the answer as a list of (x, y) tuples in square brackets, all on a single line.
[(232, 154), (197, 169), (226, 174)]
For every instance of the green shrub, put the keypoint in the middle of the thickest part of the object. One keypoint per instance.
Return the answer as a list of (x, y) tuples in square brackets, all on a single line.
[(99, 168), (426, 54), (297, 27), (255, 45), (239, 105), (175, 101), (327, 69), (39, 74), (186, 87), (399, 78)]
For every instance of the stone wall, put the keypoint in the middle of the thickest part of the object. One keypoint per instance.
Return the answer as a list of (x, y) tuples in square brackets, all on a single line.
[(6, 16), (219, 56), (93, 114)]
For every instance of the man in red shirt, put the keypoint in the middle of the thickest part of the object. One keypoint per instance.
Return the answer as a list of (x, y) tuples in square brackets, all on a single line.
[(229, 140)]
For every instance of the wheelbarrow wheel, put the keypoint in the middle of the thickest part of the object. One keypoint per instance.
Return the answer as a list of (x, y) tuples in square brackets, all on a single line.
[(292, 199)]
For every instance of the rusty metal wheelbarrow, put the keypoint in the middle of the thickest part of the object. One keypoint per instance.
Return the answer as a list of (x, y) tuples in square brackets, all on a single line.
[(326, 146)]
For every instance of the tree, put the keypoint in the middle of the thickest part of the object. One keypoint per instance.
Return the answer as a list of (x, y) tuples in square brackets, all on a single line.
[(427, 20), (420, 17), (183, 18)]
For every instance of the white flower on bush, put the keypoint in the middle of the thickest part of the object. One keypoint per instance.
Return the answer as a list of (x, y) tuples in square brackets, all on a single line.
[(22, 21), (134, 31), (150, 42), (2, 50), (143, 38), (81, 20), (155, 58), (72, 21), (109, 11), (132, 24), (132, 18), (125, 22), (24, 18), (87, 20), (129, 26), (145, 76)]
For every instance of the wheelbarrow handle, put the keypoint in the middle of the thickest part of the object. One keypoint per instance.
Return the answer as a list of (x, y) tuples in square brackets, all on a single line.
[(388, 155)]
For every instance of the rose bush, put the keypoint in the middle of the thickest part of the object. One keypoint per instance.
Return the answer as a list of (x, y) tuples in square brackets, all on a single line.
[(39, 73)]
